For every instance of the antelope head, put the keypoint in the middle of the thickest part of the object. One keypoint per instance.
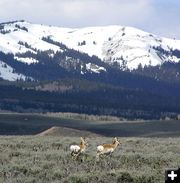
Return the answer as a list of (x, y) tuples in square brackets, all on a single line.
[(84, 141), (116, 141)]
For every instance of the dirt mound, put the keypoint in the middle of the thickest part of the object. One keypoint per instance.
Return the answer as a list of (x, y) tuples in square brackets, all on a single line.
[(70, 132)]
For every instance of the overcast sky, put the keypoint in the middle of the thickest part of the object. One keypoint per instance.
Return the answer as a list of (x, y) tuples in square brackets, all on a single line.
[(161, 17)]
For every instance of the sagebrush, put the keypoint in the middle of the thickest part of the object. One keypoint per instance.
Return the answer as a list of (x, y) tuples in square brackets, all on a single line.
[(33, 159)]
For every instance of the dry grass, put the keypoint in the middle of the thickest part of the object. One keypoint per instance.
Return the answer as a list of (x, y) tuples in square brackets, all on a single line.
[(28, 159)]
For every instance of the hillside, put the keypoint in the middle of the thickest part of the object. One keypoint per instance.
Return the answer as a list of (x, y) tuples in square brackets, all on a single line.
[(126, 48), (33, 124), (63, 132), (95, 99), (110, 70)]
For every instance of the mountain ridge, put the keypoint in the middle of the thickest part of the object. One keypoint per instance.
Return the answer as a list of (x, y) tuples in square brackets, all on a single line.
[(126, 47)]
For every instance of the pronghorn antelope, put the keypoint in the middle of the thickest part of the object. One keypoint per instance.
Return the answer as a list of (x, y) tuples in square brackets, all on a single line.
[(76, 150), (107, 148)]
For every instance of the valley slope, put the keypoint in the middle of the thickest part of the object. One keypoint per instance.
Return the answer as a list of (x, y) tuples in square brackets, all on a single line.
[(110, 70)]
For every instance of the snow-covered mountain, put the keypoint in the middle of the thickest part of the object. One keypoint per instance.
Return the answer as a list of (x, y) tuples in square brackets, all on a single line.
[(127, 47)]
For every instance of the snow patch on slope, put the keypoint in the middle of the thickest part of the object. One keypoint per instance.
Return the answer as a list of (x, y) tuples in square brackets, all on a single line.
[(94, 68), (26, 60), (7, 73)]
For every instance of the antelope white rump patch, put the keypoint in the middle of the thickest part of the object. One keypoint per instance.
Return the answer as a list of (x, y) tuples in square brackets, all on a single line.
[(100, 148), (74, 148)]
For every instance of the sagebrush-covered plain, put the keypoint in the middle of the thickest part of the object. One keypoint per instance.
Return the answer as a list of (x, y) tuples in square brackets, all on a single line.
[(28, 159)]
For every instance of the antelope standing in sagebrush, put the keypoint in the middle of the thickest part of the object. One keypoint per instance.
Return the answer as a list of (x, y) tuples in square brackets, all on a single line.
[(76, 150), (107, 148)]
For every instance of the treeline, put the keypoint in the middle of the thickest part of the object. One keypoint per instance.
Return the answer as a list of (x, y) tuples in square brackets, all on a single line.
[(45, 70), (168, 72), (106, 101), (73, 54), (84, 116)]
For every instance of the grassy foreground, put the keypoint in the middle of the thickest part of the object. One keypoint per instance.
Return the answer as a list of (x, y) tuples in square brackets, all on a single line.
[(25, 159)]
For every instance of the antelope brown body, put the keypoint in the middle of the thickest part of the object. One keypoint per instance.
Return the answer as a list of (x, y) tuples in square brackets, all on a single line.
[(107, 148)]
